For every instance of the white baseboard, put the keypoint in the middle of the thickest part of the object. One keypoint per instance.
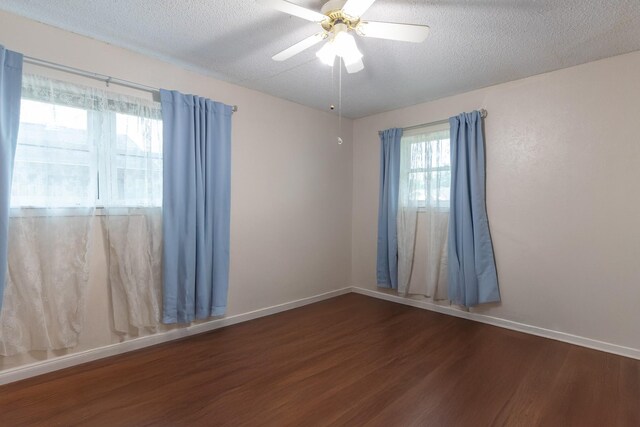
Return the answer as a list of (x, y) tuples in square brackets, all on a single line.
[(633, 353), (66, 361)]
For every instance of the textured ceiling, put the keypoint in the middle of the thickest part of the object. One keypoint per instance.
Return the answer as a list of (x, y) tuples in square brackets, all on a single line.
[(473, 43)]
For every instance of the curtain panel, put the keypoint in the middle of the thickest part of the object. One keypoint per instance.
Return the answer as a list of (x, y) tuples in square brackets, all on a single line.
[(133, 215), (47, 282), (387, 257), (473, 278), (10, 91), (80, 148), (134, 239), (196, 206), (424, 193)]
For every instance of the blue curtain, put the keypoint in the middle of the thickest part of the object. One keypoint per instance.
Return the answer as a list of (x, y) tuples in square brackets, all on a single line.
[(10, 91), (195, 207), (472, 270), (387, 263)]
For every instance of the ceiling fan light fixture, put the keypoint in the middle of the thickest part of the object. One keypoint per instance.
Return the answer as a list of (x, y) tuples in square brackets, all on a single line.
[(353, 58), (341, 44), (346, 47), (327, 54), (355, 67)]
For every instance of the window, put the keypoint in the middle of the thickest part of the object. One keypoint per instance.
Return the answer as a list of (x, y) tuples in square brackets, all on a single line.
[(136, 161), (425, 171), (83, 147)]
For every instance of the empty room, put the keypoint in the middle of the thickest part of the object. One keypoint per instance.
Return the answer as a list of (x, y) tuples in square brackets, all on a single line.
[(320, 213)]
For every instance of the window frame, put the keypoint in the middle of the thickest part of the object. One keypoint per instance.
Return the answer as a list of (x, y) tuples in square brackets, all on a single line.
[(426, 130), (101, 146)]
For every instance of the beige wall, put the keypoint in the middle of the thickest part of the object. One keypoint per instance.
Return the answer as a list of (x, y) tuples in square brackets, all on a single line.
[(291, 182), (563, 180)]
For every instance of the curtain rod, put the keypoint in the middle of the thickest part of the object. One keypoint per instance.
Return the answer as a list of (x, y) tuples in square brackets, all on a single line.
[(483, 114), (101, 77)]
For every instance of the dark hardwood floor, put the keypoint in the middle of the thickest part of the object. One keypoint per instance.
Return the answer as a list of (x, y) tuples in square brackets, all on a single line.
[(351, 360)]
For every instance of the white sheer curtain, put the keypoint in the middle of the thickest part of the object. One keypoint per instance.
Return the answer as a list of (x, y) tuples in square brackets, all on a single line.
[(47, 280), (135, 272), (423, 210), (408, 205), (52, 199), (133, 219), (81, 151)]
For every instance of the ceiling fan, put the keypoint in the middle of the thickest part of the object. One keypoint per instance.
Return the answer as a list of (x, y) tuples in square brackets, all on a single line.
[(340, 18)]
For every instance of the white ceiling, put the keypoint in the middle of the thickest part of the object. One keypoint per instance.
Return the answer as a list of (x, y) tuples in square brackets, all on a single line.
[(473, 43)]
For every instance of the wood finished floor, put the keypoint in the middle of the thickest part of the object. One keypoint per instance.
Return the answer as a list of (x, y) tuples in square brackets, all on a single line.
[(351, 360)]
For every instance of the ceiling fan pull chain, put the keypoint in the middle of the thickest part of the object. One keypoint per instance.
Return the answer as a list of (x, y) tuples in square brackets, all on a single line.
[(340, 101), (333, 86)]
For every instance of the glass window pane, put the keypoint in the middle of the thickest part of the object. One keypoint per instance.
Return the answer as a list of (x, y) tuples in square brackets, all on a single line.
[(440, 153), (53, 157), (429, 168), (137, 165)]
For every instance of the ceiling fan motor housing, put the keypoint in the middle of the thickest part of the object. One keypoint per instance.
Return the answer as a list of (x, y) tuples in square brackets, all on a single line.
[(333, 10)]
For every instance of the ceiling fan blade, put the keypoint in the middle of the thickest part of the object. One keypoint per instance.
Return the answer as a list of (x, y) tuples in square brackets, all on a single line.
[(356, 8), (294, 9), (391, 31), (300, 46), (354, 67)]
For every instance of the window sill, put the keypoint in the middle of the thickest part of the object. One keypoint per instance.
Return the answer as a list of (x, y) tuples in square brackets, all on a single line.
[(433, 210), (80, 211)]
